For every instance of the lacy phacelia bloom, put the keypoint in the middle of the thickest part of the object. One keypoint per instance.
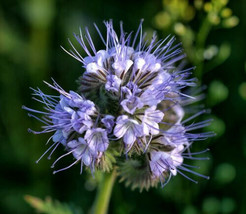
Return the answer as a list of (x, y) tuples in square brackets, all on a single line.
[(129, 102)]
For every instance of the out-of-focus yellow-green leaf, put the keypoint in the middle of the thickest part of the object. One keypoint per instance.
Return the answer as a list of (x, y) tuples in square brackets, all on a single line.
[(198, 4), (39, 12), (230, 22), (226, 12), (217, 92), (162, 20)]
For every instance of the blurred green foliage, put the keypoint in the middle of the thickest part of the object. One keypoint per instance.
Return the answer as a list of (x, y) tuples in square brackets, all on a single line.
[(31, 33), (48, 206), (178, 17)]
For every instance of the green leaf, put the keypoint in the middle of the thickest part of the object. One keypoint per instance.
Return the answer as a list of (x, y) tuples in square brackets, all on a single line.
[(49, 206)]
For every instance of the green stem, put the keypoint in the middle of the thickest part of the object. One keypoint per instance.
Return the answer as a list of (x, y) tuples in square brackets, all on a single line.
[(201, 39), (203, 33), (104, 193)]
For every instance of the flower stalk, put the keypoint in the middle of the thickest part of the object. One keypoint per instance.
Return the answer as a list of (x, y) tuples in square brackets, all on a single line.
[(105, 187)]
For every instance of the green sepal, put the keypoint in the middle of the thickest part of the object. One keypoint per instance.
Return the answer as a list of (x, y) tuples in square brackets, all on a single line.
[(106, 162), (108, 159), (137, 174)]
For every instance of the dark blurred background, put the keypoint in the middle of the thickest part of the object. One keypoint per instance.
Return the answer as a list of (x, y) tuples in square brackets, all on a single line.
[(213, 34)]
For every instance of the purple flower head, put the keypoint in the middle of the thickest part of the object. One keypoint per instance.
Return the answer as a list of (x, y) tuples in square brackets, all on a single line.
[(131, 94)]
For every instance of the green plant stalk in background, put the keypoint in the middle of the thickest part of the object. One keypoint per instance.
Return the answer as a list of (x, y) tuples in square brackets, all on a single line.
[(201, 40), (105, 187)]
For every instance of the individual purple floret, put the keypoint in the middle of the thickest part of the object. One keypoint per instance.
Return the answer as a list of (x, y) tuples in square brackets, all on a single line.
[(81, 152), (132, 100), (97, 140), (113, 83), (128, 129), (170, 163), (151, 120), (161, 162), (108, 121)]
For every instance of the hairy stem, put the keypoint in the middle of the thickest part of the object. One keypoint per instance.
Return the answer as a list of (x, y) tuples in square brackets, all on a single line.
[(105, 187)]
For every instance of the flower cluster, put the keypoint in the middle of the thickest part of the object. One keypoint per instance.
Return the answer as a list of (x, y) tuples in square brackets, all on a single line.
[(130, 102)]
